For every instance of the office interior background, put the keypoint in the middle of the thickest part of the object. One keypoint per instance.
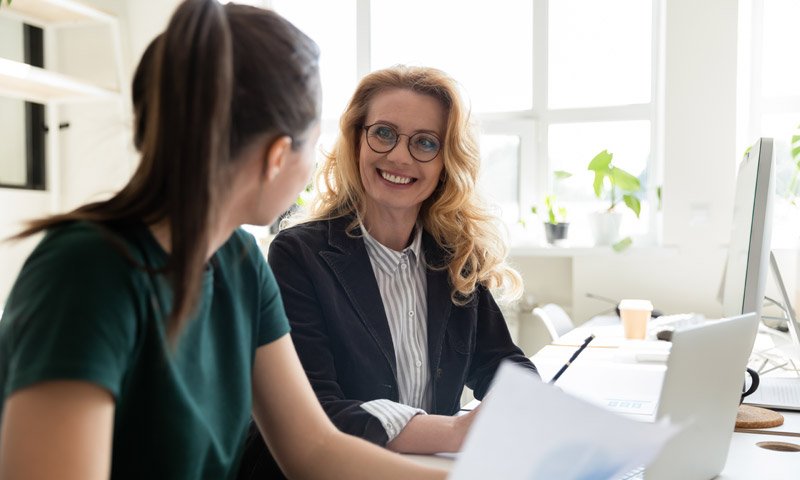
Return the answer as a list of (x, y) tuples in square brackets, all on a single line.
[(675, 89)]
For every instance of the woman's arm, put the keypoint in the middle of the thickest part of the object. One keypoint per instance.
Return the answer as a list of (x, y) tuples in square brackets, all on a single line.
[(297, 431), (433, 434), (493, 345), (58, 429), (316, 308)]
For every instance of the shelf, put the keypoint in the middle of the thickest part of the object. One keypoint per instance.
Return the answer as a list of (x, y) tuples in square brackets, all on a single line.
[(580, 251), (20, 80), (42, 13)]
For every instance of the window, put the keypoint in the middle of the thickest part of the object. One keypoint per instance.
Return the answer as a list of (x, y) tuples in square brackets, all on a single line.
[(489, 49), (770, 40), (600, 95), (22, 123), (537, 75)]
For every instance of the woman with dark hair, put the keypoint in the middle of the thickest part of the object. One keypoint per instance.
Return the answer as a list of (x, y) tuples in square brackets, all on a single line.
[(387, 279), (143, 330)]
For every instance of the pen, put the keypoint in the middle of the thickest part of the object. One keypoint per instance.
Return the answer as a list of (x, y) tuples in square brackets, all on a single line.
[(572, 358)]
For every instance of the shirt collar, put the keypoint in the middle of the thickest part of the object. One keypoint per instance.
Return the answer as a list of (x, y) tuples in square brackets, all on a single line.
[(387, 259)]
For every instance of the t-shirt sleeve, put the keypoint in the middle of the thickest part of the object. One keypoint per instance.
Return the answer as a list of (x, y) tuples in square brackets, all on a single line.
[(273, 323), (72, 312)]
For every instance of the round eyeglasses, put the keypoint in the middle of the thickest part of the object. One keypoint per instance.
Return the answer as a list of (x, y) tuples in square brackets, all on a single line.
[(422, 146)]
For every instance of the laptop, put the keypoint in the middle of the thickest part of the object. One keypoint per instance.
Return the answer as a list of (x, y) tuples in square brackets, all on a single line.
[(701, 391)]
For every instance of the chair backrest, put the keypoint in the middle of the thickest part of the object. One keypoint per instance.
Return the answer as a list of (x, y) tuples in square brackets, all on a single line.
[(555, 319)]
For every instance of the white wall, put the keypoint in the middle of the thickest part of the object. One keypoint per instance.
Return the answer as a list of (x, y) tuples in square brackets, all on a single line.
[(96, 156), (12, 122), (16, 206)]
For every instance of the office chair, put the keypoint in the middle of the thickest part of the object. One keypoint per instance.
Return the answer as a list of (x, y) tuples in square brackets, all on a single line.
[(555, 320)]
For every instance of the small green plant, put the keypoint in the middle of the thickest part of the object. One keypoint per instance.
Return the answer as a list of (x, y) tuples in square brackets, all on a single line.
[(622, 185), (555, 213)]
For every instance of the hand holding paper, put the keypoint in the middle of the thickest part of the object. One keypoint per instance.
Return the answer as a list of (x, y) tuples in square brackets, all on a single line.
[(530, 430)]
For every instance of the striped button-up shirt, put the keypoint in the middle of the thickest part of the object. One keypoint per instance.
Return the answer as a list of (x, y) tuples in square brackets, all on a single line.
[(403, 285)]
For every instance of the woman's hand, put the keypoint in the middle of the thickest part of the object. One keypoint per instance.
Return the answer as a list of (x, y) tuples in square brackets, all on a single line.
[(463, 424)]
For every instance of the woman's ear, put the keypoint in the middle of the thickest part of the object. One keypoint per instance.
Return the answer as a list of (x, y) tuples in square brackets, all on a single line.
[(275, 156)]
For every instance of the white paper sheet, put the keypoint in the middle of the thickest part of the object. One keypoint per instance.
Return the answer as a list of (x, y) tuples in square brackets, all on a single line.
[(530, 430)]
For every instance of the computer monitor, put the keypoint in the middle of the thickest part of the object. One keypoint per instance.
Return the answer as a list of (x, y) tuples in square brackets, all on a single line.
[(747, 265)]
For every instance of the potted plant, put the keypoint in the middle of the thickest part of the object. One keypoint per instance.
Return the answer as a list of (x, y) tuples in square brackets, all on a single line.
[(556, 226), (618, 186)]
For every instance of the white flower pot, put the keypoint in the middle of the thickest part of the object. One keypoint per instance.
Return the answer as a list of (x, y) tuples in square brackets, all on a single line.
[(605, 227)]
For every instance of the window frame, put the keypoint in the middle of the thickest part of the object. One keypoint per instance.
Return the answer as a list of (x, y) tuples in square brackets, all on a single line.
[(34, 117), (531, 125)]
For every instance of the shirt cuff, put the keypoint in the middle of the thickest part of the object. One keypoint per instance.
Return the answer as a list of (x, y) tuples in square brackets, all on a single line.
[(393, 416)]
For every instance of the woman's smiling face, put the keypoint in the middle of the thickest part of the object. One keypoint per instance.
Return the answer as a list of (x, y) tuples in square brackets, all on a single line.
[(395, 183)]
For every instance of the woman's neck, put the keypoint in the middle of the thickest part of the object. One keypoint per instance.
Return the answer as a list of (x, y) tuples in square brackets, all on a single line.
[(163, 235), (391, 231)]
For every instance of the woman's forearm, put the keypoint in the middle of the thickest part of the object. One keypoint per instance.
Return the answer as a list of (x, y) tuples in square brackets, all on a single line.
[(354, 458), (432, 434), (302, 438)]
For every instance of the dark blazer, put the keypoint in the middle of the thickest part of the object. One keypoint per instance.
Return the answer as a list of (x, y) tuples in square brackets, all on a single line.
[(342, 336)]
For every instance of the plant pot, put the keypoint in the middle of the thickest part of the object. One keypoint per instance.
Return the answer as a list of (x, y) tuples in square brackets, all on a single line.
[(556, 232), (605, 227)]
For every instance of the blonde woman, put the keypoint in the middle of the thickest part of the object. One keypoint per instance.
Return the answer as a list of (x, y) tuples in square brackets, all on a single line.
[(387, 282)]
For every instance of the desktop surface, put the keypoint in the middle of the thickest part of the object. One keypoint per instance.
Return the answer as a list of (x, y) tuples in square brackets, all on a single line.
[(746, 459), (610, 356)]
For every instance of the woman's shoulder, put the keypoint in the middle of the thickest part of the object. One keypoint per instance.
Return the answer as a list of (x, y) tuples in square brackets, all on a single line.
[(312, 232), (84, 241)]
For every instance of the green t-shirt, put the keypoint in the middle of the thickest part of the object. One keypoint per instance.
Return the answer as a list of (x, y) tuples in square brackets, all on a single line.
[(81, 310)]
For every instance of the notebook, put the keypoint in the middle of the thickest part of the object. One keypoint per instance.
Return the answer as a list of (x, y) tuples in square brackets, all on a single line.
[(701, 391), (777, 393)]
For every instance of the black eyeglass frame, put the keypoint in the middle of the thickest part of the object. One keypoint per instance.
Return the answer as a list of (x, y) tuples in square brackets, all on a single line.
[(408, 143)]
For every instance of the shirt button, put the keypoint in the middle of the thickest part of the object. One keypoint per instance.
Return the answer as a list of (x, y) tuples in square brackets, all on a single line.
[(411, 313), (418, 363), (403, 265)]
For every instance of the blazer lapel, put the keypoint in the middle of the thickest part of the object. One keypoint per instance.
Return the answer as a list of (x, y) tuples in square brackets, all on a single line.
[(350, 263), (439, 306)]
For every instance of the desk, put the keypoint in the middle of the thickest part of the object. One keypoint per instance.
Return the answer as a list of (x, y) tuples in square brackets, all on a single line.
[(746, 460)]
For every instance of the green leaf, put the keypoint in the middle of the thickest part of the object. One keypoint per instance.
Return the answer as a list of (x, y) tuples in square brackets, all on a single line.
[(601, 162), (658, 196), (796, 152), (624, 180), (562, 212), (549, 202), (533, 210), (561, 174), (622, 245), (598, 183), (633, 203)]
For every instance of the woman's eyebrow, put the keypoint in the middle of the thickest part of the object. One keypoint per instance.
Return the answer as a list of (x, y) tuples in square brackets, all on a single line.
[(393, 125)]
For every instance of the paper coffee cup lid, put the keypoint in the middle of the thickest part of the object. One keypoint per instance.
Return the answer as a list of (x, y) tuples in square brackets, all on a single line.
[(635, 304)]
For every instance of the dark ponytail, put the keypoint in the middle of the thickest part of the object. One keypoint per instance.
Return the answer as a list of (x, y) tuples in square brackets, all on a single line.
[(216, 78), (186, 137)]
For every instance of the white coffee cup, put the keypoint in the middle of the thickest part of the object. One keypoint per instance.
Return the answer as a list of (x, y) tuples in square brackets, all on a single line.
[(635, 314)]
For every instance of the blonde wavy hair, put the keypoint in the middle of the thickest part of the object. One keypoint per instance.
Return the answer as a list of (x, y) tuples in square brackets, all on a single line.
[(454, 214)]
